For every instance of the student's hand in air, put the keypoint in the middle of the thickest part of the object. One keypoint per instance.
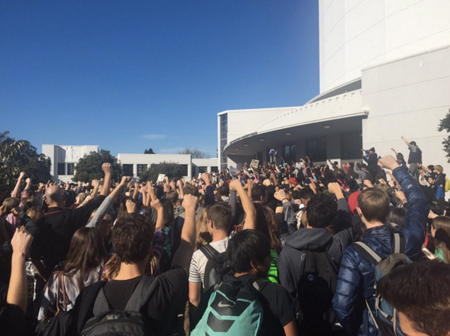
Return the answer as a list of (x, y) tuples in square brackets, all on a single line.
[(235, 184), (334, 188), (189, 202), (21, 242), (106, 167), (388, 162)]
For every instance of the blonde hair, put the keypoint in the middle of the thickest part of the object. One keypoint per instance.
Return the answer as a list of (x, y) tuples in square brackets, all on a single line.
[(35, 213), (439, 168), (203, 235)]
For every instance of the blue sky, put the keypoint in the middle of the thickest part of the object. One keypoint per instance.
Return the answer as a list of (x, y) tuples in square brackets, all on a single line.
[(130, 75)]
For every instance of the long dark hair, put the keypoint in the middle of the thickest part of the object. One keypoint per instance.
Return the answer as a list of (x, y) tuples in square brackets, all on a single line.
[(266, 223), (442, 236), (86, 252)]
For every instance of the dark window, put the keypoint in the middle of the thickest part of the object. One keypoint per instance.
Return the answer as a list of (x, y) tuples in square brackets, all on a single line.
[(70, 168), (202, 169), (316, 149), (184, 168), (61, 168), (127, 169), (289, 153), (141, 168), (214, 169), (223, 139), (351, 144)]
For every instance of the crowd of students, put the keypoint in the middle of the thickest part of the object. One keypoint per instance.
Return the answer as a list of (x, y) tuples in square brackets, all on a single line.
[(284, 248)]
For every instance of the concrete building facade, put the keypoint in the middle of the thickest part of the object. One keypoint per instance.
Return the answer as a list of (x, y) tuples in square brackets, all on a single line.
[(65, 158), (384, 73)]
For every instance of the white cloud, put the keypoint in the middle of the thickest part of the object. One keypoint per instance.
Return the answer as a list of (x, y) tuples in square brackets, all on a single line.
[(153, 136)]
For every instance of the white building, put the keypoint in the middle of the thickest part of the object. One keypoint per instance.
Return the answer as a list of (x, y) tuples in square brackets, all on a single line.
[(384, 73), (135, 164), (64, 159)]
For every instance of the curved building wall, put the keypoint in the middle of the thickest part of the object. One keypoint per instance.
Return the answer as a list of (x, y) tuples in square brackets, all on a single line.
[(355, 34)]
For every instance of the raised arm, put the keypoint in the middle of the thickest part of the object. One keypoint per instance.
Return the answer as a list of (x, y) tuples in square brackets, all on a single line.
[(17, 292), (184, 252), (107, 202), (247, 205), (209, 190), (136, 191), (416, 215), (406, 141), (16, 192), (395, 152), (156, 204), (94, 192), (107, 180), (249, 187)]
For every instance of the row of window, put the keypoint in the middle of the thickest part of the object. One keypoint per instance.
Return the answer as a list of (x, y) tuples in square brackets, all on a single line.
[(62, 168), (128, 169)]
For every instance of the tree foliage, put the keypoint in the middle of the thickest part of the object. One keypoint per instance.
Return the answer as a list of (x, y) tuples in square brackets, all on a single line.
[(89, 167), (20, 156), (170, 169), (149, 151), (196, 153), (444, 124)]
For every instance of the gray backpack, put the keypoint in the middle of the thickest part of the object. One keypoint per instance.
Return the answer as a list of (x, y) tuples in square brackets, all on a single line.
[(127, 322), (385, 316)]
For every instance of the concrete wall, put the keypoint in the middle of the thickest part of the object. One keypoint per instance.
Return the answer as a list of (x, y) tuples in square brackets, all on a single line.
[(354, 34), (408, 98), (211, 164), (65, 154), (149, 159)]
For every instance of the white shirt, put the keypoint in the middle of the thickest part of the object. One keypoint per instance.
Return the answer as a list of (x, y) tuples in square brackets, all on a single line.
[(199, 261)]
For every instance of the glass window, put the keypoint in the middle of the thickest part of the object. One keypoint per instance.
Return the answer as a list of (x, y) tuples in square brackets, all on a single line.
[(62, 168), (184, 168), (141, 168), (316, 149), (127, 169), (70, 168)]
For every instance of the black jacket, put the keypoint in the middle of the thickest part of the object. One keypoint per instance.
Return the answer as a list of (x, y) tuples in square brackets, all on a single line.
[(55, 231)]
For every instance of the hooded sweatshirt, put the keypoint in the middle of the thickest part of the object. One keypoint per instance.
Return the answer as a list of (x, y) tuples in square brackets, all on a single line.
[(314, 240)]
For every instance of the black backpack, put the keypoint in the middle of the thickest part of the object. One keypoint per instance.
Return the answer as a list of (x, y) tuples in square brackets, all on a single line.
[(127, 322), (315, 291), (218, 267)]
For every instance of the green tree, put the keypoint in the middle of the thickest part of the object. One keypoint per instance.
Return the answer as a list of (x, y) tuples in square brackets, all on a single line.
[(170, 169), (17, 156), (196, 153), (149, 151), (89, 167), (444, 124)]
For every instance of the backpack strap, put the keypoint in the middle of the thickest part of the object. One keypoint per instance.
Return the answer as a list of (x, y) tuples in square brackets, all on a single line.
[(399, 243), (259, 284), (88, 297), (141, 294), (209, 251), (139, 297), (367, 253), (101, 305)]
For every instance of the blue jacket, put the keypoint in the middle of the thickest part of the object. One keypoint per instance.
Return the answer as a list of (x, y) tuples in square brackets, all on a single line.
[(356, 275)]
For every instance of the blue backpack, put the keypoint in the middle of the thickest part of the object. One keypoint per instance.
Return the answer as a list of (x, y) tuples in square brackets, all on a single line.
[(233, 309), (384, 316)]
